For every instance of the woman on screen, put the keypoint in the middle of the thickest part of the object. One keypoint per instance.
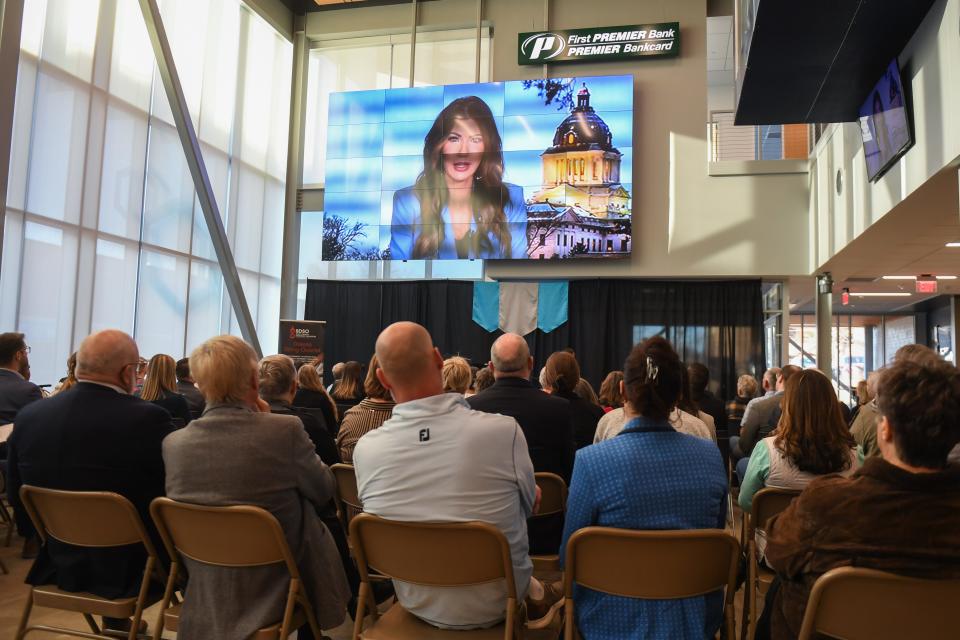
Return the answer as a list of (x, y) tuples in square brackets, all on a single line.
[(460, 207)]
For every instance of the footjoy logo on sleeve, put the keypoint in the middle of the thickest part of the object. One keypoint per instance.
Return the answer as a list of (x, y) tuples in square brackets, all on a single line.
[(542, 46), (424, 435)]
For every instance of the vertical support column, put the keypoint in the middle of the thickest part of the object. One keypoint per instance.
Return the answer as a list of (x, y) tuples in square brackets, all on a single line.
[(476, 74), (413, 39), (290, 270), (11, 23), (785, 324), (824, 324), (954, 327), (198, 170)]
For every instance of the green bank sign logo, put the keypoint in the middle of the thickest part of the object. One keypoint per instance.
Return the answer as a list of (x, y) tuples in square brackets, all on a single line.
[(603, 43)]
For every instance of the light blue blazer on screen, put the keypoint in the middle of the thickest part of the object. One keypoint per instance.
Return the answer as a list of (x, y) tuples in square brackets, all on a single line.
[(405, 227)]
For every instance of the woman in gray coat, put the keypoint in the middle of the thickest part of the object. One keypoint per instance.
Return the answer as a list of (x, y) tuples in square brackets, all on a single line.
[(237, 452)]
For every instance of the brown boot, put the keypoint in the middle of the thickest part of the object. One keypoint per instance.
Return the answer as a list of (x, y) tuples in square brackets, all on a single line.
[(551, 601)]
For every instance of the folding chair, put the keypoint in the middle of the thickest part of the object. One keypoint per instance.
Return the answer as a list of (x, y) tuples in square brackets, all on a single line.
[(766, 504), (5, 517), (94, 519), (553, 504), (866, 604), (346, 497), (237, 536), (651, 565), (431, 555)]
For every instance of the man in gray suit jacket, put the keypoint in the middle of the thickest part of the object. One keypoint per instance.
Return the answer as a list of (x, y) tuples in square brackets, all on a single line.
[(240, 453), (16, 390)]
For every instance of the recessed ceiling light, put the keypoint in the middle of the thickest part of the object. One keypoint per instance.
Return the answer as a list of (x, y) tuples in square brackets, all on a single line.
[(899, 277), (878, 295), (953, 244), (946, 277)]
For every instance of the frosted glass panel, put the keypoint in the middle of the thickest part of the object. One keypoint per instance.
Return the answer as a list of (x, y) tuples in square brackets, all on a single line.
[(34, 15), (220, 74), (71, 31), (271, 244), (268, 316), (162, 304), (168, 208), (249, 211), (115, 286), (10, 268), (47, 289), (121, 190), (57, 158), (203, 314), (22, 127), (132, 62)]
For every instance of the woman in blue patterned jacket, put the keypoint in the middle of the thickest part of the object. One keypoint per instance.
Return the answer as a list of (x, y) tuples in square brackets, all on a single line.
[(649, 476)]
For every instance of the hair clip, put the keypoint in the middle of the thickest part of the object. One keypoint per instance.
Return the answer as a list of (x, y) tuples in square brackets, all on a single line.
[(652, 370)]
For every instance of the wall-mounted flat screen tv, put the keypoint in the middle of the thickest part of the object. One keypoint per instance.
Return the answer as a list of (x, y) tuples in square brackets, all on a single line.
[(532, 169), (885, 123)]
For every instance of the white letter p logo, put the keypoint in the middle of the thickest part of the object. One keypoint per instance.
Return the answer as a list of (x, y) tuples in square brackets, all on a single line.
[(541, 44)]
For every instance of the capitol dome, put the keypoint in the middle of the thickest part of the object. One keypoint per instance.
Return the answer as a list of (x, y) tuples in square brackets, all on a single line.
[(583, 129)]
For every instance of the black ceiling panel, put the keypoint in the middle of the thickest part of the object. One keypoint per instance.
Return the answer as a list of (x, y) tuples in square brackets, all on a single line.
[(816, 60)]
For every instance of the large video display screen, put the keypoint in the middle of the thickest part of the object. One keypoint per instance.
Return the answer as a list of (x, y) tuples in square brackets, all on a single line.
[(532, 169)]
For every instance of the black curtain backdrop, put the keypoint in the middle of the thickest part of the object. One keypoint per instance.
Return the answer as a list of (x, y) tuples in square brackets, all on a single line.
[(718, 323)]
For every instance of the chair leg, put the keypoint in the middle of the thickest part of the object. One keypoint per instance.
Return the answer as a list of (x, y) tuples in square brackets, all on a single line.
[(311, 616), (365, 593), (288, 610), (752, 583), (3, 568), (91, 623), (25, 616), (168, 593)]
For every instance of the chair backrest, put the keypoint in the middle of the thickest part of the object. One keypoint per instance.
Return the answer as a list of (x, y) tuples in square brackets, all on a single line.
[(449, 554), (553, 494), (651, 564), (346, 497), (236, 536), (767, 503), (866, 604), (85, 518)]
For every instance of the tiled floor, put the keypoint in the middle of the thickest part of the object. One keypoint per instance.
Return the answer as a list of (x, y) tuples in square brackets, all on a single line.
[(13, 593)]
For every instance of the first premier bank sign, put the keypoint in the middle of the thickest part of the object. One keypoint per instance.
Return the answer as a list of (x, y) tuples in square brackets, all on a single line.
[(600, 44)]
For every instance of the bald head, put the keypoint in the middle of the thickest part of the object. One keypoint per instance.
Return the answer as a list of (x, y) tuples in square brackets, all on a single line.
[(410, 365), (510, 357), (108, 356)]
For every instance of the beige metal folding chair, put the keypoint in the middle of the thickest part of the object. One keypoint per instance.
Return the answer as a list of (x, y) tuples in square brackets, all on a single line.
[(97, 519), (553, 503), (346, 496), (439, 555), (766, 504), (865, 604), (237, 536), (5, 516), (651, 565)]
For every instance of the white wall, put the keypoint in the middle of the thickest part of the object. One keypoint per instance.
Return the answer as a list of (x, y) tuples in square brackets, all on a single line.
[(930, 66), (686, 223)]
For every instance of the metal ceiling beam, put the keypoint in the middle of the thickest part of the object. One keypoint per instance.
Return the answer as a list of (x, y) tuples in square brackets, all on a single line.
[(198, 170), (11, 19)]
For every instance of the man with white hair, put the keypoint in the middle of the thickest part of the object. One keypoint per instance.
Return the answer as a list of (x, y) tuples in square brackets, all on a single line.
[(545, 419), (436, 460), (95, 436)]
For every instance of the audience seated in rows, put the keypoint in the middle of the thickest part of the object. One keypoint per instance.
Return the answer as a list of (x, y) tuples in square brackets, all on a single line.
[(337, 372), (71, 378), (699, 377), (311, 395), (277, 379), (685, 403), (438, 460), (649, 477), (187, 387), (16, 390), (375, 409), (96, 436), (746, 390), (456, 375), (546, 420), (811, 440), (561, 376), (585, 390), (160, 388), (240, 453), (864, 425), (900, 512), (609, 396), (759, 420)]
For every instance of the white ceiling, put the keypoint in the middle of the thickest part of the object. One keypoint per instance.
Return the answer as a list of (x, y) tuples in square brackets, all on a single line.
[(720, 50)]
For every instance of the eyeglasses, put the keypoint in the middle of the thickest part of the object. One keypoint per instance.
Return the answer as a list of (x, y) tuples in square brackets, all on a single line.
[(26, 349)]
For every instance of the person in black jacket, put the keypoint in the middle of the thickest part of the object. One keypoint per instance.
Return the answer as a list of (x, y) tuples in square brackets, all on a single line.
[(707, 402), (187, 387), (311, 395), (95, 436), (278, 387), (16, 390), (546, 422), (561, 375)]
